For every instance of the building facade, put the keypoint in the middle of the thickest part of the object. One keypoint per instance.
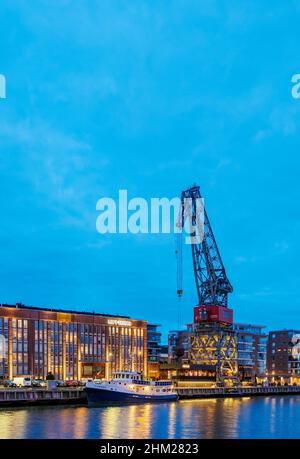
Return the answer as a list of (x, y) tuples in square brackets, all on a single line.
[(163, 354), (179, 348), (68, 344), (252, 352), (154, 341), (283, 357)]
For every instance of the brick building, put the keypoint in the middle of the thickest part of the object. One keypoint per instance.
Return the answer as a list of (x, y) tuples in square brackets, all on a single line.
[(69, 344), (283, 357)]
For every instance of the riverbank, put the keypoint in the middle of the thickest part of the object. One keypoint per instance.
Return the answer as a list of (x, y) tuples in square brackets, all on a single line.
[(23, 397), (194, 392), (65, 396)]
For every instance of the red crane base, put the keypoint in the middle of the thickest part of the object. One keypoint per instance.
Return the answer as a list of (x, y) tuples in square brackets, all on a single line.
[(208, 314)]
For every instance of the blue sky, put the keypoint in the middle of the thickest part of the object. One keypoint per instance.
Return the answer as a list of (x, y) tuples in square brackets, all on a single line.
[(150, 97)]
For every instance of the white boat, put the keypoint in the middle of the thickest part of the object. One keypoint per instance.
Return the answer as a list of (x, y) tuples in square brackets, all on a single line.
[(129, 387)]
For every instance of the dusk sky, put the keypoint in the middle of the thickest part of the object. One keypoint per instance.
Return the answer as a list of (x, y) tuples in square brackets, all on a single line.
[(149, 96)]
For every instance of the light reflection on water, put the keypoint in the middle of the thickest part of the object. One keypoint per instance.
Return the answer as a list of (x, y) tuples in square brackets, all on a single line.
[(261, 417)]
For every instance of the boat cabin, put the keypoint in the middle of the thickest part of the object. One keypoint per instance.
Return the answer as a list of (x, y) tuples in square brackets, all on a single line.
[(127, 375)]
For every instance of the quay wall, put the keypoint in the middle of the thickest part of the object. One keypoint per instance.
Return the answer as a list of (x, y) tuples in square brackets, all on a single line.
[(194, 392), (63, 396), (19, 397)]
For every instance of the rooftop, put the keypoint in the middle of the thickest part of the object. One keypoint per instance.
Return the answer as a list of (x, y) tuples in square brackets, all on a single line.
[(245, 325), (66, 311), (283, 330)]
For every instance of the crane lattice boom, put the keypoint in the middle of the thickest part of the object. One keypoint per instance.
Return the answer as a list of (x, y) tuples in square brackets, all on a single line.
[(212, 282)]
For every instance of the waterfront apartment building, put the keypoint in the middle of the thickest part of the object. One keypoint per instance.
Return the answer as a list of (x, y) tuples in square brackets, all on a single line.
[(252, 352), (69, 344), (283, 357), (163, 354), (179, 346), (175, 366), (154, 340)]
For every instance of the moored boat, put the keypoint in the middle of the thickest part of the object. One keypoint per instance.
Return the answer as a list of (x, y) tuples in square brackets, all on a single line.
[(129, 387)]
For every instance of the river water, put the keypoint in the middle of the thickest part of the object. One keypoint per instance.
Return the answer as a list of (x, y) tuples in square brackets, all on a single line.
[(261, 417)]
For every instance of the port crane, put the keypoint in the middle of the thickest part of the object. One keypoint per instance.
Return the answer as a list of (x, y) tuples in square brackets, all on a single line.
[(211, 280), (213, 342)]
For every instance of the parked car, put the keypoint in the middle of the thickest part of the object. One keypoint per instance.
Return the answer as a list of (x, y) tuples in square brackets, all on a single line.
[(35, 383), (9, 383), (59, 383), (38, 383), (68, 383), (71, 383), (42, 383), (24, 381), (79, 383)]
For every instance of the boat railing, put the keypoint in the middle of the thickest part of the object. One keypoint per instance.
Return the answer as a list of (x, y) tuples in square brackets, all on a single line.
[(163, 383), (142, 382)]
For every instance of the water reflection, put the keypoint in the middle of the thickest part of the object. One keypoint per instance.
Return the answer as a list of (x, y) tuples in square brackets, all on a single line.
[(12, 426), (261, 417), (172, 420)]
